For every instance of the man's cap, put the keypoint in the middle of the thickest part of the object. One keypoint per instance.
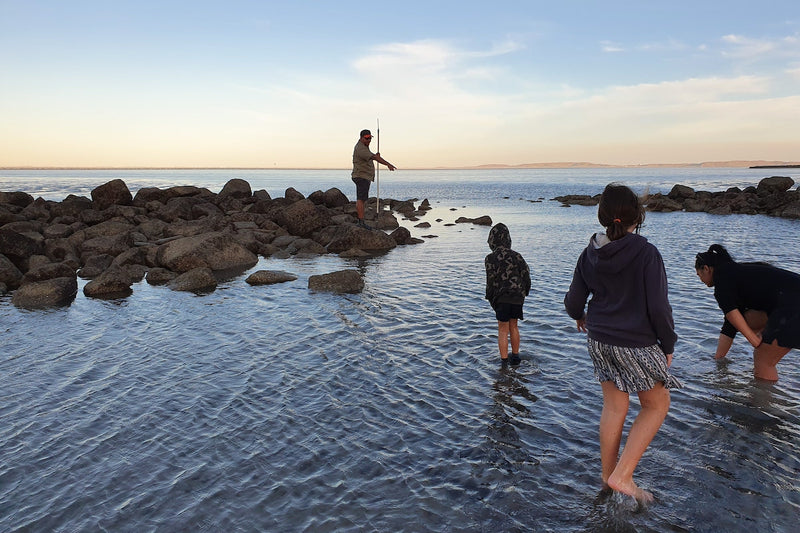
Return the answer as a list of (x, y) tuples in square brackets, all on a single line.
[(366, 132)]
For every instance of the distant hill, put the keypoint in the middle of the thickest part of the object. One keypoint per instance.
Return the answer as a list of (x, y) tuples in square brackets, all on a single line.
[(705, 164)]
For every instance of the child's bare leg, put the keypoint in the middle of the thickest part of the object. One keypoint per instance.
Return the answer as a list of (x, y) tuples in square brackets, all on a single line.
[(655, 404), (513, 329), (502, 339), (612, 420)]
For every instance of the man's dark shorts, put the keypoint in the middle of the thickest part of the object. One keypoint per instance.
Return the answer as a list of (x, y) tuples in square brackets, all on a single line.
[(504, 312), (362, 188)]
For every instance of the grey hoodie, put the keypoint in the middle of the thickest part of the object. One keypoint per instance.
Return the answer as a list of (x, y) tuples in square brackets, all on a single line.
[(629, 305)]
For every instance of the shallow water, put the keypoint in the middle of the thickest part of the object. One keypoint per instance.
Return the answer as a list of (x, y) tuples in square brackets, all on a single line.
[(279, 409)]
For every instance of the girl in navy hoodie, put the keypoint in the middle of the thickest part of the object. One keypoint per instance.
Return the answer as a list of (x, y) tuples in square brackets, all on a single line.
[(631, 334)]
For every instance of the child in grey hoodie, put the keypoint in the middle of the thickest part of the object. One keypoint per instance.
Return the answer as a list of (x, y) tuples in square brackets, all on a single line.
[(508, 282)]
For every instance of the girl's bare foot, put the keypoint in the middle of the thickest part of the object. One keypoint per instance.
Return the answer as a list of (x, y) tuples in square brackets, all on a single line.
[(631, 489)]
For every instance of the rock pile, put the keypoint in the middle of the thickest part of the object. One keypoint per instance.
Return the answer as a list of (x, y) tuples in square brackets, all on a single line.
[(185, 237), (772, 196)]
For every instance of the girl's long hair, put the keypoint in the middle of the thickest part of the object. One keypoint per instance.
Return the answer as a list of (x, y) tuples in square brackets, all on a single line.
[(619, 209)]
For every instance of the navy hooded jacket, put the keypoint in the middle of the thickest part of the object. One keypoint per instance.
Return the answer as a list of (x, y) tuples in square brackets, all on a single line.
[(628, 284)]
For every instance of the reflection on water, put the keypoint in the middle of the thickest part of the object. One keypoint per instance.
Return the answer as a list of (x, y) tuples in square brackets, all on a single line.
[(278, 409)]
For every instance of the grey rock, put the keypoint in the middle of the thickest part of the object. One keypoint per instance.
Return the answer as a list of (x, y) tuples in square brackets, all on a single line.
[(199, 279), (55, 292), (343, 281), (268, 277), (216, 251), (114, 282), (115, 192)]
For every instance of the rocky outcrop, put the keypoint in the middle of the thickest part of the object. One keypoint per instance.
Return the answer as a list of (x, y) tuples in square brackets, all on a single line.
[(772, 196), (344, 281), (115, 239)]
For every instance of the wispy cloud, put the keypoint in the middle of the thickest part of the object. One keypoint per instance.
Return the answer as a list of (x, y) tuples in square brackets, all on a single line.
[(611, 47)]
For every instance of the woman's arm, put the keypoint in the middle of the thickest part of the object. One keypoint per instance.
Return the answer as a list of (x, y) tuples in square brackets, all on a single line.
[(736, 318)]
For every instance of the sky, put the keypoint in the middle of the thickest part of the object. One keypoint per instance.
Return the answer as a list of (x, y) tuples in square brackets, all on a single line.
[(289, 84)]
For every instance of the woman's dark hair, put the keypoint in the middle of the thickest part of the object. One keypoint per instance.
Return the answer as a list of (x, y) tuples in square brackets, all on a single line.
[(716, 255), (619, 209)]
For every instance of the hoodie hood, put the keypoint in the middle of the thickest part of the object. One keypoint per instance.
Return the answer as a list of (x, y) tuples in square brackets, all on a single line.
[(499, 237), (611, 257)]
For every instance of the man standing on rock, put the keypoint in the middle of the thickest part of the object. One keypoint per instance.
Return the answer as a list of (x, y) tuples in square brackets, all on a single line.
[(364, 172)]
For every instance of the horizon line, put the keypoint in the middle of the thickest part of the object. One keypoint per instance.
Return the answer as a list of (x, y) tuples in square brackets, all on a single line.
[(490, 166)]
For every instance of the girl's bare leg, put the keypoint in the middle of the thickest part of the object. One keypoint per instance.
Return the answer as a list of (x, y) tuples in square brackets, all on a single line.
[(612, 420), (655, 404)]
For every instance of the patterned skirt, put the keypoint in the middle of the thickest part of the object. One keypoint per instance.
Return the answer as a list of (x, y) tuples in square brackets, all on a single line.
[(631, 369)]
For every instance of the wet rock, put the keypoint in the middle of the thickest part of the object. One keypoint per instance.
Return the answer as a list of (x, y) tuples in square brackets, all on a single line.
[(774, 184), (10, 275), (216, 251), (341, 238), (55, 292), (269, 277), (114, 282), (47, 271), (343, 281), (302, 218), (95, 265), (485, 220), (199, 279), (160, 276)]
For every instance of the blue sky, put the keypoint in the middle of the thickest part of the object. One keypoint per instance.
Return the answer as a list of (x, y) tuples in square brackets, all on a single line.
[(290, 84)]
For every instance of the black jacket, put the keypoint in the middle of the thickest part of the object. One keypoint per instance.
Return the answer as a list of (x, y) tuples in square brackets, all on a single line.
[(508, 279)]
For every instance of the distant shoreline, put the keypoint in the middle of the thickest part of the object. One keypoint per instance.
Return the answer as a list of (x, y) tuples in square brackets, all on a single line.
[(497, 166)]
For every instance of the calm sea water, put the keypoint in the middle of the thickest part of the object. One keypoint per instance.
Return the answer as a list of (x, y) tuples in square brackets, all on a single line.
[(278, 409)]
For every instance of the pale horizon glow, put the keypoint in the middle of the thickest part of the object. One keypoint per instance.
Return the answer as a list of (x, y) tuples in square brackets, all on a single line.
[(289, 85)]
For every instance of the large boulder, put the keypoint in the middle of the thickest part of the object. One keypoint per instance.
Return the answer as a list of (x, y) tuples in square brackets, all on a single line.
[(345, 281), (112, 245), (302, 218), (10, 275), (71, 206), (236, 188), (293, 195), (47, 271), (774, 184), (199, 279), (17, 198), (53, 292), (19, 247), (334, 198), (216, 250), (345, 237), (114, 282), (115, 192), (680, 192)]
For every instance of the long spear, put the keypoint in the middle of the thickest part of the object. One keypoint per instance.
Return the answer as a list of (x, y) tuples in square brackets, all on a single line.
[(378, 175)]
